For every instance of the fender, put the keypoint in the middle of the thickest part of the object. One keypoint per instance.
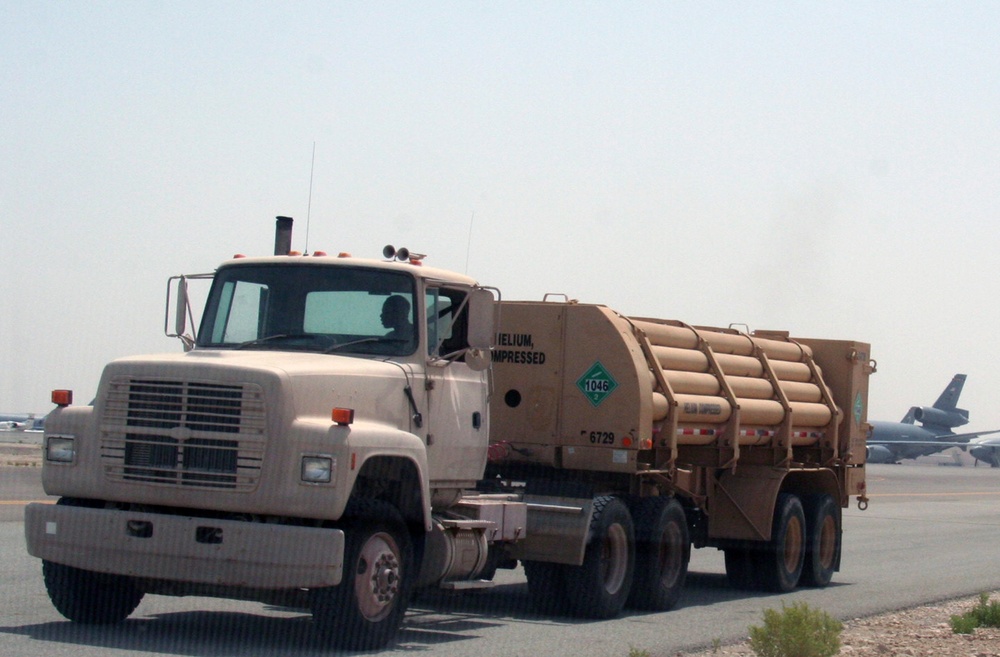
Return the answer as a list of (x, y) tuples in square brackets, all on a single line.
[(742, 504), (75, 478), (377, 445)]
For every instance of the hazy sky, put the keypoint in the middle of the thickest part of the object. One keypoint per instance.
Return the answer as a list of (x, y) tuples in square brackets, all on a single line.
[(831, 169)]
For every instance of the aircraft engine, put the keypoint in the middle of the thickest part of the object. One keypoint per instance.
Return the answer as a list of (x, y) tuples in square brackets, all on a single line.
[(939, 418), (987, 454), (879, 454)]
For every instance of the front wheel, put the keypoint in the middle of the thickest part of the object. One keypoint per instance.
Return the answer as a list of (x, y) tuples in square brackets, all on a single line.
[(365, 610), (600, 586), (87, 597)]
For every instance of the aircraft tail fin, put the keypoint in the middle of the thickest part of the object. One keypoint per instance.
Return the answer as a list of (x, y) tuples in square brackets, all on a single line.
[(945, 415), (948, 401)]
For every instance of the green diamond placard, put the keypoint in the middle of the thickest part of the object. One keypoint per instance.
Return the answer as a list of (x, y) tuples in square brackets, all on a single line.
[(596, 384)]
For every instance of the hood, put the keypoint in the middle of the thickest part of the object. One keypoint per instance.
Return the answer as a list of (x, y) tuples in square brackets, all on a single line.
[(303, 385)]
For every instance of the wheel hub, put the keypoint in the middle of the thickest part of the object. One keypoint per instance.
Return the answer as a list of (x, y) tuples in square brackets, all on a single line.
[(378, 577), (385, 576)]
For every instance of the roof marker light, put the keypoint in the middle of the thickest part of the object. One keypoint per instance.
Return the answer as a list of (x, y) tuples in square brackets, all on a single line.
[(62, 397)]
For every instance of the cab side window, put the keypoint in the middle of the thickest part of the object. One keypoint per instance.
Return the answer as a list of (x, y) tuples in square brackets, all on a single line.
[(447, 321)]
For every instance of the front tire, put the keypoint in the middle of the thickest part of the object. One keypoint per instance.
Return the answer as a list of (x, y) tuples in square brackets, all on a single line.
[(600, 586), (365, 611), (663, 549), (83, 596)]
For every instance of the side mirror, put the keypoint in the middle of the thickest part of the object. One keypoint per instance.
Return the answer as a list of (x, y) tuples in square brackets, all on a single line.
[(482, 328), (181, 307), (180, 318)]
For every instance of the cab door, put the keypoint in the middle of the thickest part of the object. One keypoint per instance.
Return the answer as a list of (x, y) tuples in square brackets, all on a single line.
[(457, 427)]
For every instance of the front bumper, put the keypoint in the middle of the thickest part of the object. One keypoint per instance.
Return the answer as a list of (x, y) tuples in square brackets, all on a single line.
[(185, 549)]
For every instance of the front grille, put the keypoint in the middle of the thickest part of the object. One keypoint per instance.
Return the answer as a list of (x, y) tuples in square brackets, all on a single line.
[(184, 433)]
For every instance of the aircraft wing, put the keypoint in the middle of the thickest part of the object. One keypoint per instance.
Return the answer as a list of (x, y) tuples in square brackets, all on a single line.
[(916, 443), (963, 438), (952, 440)]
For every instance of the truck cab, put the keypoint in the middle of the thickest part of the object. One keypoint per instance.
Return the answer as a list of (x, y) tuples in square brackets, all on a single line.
[(319, 395), (397, 341)]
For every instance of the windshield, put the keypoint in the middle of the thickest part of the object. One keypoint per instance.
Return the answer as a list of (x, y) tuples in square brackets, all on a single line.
[(303, 307)]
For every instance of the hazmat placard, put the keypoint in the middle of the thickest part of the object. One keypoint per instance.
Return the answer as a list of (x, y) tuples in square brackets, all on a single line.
[(596, 384)]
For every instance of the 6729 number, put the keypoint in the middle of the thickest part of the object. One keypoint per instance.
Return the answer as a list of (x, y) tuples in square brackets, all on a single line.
[(602, 438)]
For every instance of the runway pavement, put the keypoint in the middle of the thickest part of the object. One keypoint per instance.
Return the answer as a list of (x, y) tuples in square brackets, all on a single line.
[(930, 533)]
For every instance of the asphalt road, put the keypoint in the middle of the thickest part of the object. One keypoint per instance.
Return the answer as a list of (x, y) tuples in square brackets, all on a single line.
[(929, 534)]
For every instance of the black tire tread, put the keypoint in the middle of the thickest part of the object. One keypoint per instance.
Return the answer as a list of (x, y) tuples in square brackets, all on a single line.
[(816, 508), (83, 596), (769, 560), (334, 612), (584, 586), (649, 515)]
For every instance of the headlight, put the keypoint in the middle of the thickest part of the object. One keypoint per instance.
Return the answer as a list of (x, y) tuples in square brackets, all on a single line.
[(60, 449), (318, 469)]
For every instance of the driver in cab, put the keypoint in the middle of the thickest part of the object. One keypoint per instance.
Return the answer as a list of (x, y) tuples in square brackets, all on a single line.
[(396, 318)]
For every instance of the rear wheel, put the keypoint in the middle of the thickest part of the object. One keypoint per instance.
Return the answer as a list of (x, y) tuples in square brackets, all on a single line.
[(87, 597), (365, 610), (662, 552), (823, 540), (600, 586), (780, 561)]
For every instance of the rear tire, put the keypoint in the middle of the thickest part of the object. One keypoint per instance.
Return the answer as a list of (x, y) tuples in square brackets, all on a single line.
[(83, 596), (823, 532), (365, 611), (782, 558), (662, 552), (600, 586)]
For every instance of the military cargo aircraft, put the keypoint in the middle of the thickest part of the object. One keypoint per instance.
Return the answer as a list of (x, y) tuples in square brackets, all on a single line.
[(889, 442)]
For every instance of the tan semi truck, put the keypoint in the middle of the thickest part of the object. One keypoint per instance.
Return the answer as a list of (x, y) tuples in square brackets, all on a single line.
[(342, 431)]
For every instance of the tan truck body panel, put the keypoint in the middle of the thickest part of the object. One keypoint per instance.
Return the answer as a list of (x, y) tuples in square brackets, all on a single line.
[(718, 416)]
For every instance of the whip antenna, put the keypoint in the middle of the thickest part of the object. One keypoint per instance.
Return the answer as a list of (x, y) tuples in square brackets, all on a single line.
[(312, 167), (468, 246)]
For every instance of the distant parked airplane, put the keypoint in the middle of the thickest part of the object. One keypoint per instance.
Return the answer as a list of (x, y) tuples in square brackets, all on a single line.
[(986, 450), (891, 441)]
